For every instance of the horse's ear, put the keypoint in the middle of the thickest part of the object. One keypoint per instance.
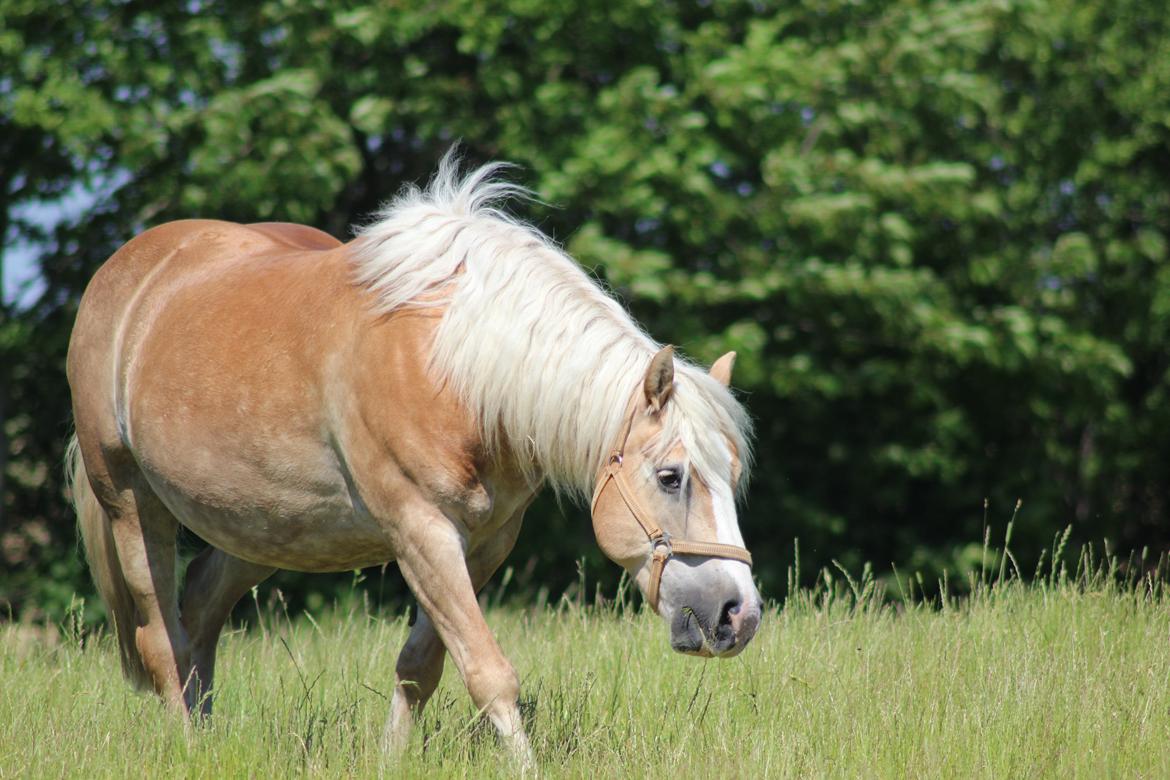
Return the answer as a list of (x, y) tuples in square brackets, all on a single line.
[(659, 382), (721, 369)]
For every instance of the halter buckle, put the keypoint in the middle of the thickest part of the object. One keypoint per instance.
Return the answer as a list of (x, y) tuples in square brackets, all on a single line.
[(662, 542)]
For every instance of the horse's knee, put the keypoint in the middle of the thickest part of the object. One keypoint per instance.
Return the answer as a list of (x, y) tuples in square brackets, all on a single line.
[(420, 663), (493, 685), (419, 674)]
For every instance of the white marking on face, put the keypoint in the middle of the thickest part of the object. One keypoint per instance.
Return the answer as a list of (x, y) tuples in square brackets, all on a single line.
[(727, 532), (684, 576)]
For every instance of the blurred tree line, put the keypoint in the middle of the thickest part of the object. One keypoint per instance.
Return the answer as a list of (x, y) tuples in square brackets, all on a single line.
[(936, 232)]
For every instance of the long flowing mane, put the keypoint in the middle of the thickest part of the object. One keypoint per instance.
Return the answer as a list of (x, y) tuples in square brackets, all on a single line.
[(545, 359)]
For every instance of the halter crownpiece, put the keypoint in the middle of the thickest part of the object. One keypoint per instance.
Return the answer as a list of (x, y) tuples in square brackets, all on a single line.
[(663, 545)]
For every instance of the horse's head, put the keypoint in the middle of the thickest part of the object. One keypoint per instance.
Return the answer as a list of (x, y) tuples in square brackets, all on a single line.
[(664, 508)]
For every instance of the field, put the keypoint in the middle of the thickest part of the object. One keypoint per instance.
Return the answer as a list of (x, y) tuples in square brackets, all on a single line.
[(1058, 678)]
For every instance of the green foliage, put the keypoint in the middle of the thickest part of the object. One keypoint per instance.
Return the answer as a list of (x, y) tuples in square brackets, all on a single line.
[(937, 234)]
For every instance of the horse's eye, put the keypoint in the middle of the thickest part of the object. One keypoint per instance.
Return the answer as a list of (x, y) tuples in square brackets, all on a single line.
[(670, 480)]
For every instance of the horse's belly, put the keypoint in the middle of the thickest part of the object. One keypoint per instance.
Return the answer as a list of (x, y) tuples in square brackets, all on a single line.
[(321, 536), (308, 543), (291, 513)]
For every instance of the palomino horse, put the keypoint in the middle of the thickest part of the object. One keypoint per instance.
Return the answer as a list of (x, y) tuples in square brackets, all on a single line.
[(304, 404)]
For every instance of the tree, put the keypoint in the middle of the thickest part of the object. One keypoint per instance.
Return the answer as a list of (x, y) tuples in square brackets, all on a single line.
[(936, 234)]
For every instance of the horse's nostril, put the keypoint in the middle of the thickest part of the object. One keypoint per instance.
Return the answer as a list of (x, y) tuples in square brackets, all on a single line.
[(730, 609)]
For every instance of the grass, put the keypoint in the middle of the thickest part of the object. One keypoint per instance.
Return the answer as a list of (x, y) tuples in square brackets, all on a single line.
[(1062, 677)]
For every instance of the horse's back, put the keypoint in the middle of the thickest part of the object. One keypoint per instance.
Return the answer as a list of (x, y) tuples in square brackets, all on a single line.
[(294, 235), (192, 242), (159, 258)]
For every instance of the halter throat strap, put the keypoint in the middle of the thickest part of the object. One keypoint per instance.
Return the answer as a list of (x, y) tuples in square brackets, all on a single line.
[(663, 546)]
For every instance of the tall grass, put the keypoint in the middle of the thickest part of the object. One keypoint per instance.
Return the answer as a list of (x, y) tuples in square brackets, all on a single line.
[(1064, 675)]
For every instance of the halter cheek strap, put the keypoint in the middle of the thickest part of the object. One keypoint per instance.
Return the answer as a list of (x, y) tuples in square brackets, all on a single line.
[(662, 546)]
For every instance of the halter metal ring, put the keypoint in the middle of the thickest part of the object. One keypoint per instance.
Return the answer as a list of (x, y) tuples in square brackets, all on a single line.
[(662, 541)]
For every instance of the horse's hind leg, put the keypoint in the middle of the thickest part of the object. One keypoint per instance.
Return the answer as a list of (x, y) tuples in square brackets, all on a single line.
[(215, 582), (144, 534)]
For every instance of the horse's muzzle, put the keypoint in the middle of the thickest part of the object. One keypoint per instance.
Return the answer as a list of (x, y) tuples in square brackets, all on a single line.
[(714, 623)]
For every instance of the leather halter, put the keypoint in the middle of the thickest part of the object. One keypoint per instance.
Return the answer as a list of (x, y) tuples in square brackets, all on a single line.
[(663, 546)]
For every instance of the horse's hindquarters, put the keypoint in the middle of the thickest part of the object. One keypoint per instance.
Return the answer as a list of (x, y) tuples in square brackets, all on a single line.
[(202, 358)]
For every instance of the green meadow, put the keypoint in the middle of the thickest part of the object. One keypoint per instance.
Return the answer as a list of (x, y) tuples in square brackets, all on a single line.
[(1064, 676)]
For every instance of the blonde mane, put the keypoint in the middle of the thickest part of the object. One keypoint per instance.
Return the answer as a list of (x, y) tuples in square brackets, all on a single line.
[(545, 359)]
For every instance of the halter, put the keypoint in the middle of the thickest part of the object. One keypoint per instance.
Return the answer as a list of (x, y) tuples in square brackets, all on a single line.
[(662, 546)]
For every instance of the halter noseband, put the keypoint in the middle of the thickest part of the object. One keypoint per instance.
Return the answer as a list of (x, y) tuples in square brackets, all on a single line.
[(663, 546)]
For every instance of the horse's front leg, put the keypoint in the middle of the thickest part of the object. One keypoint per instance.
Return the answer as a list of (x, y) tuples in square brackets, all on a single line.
[(420, 664), (432, 559), (419, 668)]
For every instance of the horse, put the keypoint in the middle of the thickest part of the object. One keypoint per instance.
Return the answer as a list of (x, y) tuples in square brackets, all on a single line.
[(300, 403)]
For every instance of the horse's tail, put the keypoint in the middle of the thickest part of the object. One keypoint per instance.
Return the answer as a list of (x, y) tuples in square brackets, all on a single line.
[(104, 566)]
